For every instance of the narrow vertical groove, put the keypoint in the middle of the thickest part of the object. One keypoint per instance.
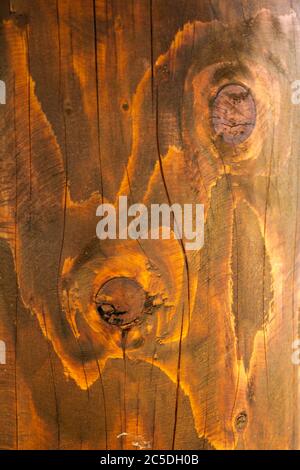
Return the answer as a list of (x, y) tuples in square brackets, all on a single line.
[(170, 204), (237, 313), (264, 262), (178, 382), (185, 264), (121, 435), (53, 382), (154, 418), (64, 220), (97, 95), (236, 332), (151, 52), (137, 411), (208, 346), (16, 266), (65, 152), (29, 123), (295, 420), (294, 315), (104, 399), (124, 340)]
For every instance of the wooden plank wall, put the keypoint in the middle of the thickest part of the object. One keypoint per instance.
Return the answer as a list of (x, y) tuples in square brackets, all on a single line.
[(116, 97)]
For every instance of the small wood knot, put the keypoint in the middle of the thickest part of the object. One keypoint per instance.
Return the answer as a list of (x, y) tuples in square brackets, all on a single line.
[(20, 19), (241, 421), (125, 106), (162, 73), (121, 302), (68, 107), (233, 114)]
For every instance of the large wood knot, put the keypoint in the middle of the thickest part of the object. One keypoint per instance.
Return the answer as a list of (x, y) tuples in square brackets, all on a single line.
[(121, 302), (233, 114)]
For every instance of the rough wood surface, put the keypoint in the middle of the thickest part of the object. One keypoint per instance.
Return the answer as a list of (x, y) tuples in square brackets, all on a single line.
[(140, 344)]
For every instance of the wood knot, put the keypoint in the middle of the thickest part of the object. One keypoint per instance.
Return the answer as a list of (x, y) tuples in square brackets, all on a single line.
[(68, 107), (233, 114), (241, 421), (122, 302), (21, 20), (162, 73), (125, 106)]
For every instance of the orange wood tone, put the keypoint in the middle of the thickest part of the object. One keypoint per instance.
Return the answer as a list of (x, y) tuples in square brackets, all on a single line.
[(163, 101)]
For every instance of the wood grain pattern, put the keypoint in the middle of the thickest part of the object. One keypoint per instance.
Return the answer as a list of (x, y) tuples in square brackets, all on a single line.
[(118, 97)]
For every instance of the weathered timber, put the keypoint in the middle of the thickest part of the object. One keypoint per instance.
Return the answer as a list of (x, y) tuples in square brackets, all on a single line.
[(122, 344)]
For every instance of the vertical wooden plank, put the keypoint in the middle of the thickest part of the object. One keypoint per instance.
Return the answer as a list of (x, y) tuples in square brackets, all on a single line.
[(109, 98)]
